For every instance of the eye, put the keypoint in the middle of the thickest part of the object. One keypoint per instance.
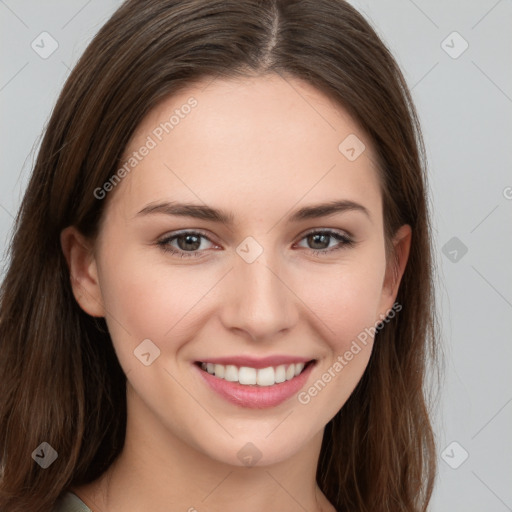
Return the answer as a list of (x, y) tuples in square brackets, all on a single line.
[(188, 243), (320, 238)]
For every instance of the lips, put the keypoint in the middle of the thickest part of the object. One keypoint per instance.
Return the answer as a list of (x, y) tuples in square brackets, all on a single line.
[(258, 386)]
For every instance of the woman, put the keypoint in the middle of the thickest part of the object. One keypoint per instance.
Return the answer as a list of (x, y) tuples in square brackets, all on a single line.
[(278, 363)]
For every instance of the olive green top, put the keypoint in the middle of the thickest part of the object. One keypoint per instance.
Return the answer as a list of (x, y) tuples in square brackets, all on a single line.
[(70, 502)]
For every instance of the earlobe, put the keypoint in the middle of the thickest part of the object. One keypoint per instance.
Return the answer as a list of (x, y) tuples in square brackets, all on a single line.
[(83, 271), (396, 267)]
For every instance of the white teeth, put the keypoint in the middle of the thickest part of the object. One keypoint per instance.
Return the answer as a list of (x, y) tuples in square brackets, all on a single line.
[(247, 375), (298, 368), (266, 377), (280, 374), (252, 376), (219, 370), (231, 373)]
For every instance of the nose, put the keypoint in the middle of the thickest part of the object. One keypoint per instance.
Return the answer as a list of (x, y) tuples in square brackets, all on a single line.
[(261, 301)]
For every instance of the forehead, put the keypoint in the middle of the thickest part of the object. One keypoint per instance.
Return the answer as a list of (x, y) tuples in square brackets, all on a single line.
[(248, 141)]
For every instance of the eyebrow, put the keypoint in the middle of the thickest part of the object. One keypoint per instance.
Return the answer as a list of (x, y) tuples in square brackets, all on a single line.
[(204, 212)]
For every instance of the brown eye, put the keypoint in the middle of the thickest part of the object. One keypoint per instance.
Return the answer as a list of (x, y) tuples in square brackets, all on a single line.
[(188, 244), (319, 241)]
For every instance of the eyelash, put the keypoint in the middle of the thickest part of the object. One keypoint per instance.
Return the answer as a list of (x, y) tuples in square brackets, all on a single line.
[(344, 240)]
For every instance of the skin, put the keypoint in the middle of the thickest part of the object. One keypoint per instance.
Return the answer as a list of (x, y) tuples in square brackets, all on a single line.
[(261, 148)]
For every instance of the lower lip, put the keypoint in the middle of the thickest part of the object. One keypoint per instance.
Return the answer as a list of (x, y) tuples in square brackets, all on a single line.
[(256, 397)]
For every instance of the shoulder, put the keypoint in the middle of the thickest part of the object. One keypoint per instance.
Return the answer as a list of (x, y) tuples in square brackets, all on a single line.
[(70, 502)]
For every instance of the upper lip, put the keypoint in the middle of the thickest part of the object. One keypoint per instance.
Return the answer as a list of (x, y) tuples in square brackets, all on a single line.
[(256, 362)]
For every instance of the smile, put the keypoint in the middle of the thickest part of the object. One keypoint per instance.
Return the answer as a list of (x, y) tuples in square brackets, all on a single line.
[(268, 385), (248, 376)]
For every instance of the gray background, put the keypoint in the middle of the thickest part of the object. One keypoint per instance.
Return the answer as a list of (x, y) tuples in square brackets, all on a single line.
[(465, 106)]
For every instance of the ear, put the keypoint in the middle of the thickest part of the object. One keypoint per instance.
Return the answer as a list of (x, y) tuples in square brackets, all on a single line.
[(395, 268), (83, 271)]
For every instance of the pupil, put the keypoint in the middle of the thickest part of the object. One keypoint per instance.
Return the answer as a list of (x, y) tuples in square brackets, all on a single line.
[(188, 239), (316, 237)]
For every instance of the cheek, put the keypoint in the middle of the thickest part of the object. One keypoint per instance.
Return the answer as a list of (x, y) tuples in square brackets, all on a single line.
[(152, 301), (347, 303), (346, 298)]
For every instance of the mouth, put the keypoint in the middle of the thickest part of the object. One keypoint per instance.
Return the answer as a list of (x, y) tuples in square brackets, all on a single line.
[(249, 376), (256, 388)]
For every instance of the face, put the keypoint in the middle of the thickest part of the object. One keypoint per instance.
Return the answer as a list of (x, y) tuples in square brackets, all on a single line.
[(253, 278)]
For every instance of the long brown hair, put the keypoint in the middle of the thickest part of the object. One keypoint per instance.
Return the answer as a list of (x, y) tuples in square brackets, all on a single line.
[(60, 378)]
